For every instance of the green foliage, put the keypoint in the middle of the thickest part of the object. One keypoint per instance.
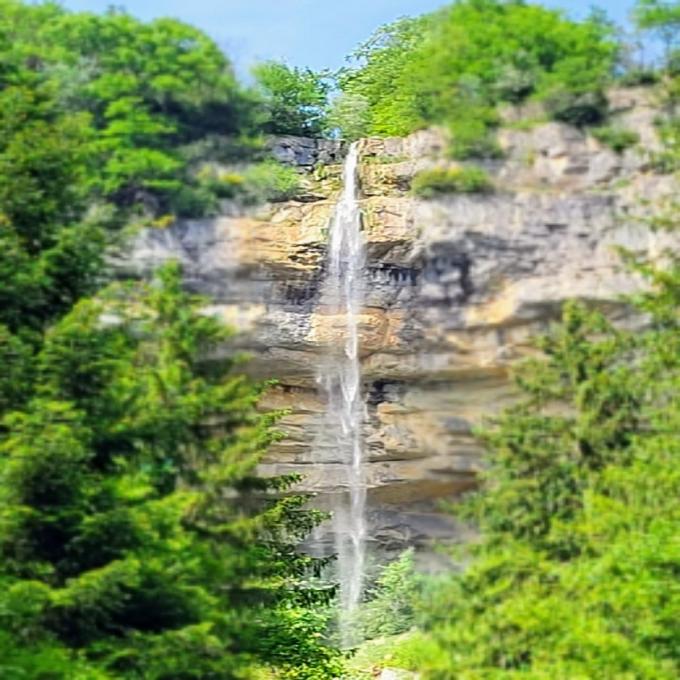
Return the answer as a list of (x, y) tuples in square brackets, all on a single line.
[(576, 517), (143, 91), (389, 608), (136, 540), (349, 115), (617, 138), (472, 133), (294, 99), (667, 160), (409, 651), (255, 184), (441, 181), (639, 77), (575, 574), (51, 253), (133, 532), (661, 17), (577, 108), (270, 181), (456, 65), (381, 77)]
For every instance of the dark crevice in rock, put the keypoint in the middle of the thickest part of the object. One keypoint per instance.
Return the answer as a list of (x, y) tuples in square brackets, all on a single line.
[(393, 274), (448, 278), (380, 391), (304, 294)]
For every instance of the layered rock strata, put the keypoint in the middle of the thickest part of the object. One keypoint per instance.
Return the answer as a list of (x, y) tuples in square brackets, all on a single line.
[(455, 288)]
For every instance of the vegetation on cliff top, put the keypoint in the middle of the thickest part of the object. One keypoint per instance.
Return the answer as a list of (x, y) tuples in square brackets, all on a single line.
[(441, 181), (454, 67), (157, 101)]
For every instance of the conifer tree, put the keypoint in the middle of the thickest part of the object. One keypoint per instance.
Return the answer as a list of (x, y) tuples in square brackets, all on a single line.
[(575, 571), (134, 533), (136, 540)]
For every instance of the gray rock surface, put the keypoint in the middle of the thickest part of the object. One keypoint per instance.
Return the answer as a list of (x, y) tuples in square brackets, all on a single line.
[(455, 289), (306, 153)]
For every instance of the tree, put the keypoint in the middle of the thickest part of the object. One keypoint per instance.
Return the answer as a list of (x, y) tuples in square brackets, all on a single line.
[(574, 573), (389, 605), (660, 17), (294, 99), (44, 159), (136, 540), (349, 116), (148, 90), (454, 66), (381, 77), (51, 250)]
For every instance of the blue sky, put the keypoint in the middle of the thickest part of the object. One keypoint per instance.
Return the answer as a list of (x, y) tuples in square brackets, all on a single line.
[(315, 33)]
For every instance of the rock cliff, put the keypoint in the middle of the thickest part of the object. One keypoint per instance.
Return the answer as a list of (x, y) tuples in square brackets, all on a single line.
[(455, 287)]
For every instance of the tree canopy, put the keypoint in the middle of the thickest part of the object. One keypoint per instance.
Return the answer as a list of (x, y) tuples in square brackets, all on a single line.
[(136, 539), (454, 65)]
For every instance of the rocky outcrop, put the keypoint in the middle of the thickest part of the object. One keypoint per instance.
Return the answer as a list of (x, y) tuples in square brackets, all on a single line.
[(455, 288), (305, 153)]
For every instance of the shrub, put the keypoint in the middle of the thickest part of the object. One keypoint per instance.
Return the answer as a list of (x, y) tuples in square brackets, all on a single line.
[(577, 108), (390, 609), (617, 138), (667, 160), (410, 651), (673, 63), (254, 184), (439, 181), (640, 77), (473, 137), (194, 201), (270, 181)]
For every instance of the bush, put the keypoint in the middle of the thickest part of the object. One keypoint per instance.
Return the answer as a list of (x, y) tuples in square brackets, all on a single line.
[(258, 183), (667, 160), (616, 138), (472, 136), (577, 108), (390, 608), (440, 181), (410, 651), (640, 77), (193, 201), (673, 63), (270, 181), (484, 147)]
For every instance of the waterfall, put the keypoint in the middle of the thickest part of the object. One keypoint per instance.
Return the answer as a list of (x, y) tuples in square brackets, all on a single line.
[(340, 378)]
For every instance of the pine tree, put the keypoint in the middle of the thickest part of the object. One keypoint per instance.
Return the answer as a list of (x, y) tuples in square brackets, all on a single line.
[(575, 574), (133, 529), (135, 538)]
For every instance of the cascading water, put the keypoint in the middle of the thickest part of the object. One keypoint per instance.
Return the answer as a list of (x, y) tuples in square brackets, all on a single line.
[(340, 378)]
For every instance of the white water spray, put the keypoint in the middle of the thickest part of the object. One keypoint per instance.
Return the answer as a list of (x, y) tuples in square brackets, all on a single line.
[(340, 377)]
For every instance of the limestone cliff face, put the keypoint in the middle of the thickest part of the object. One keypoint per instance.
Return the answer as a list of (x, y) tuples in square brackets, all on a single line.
[(456, 287)]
